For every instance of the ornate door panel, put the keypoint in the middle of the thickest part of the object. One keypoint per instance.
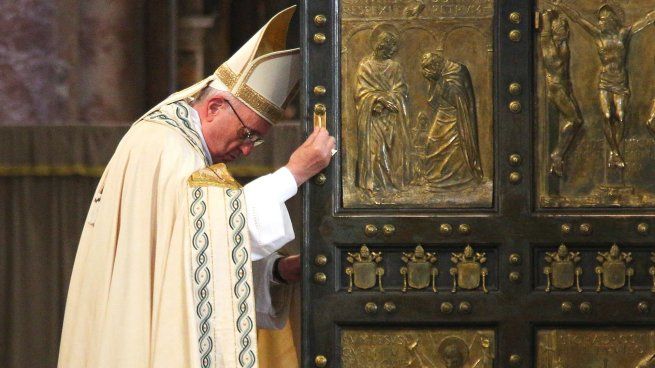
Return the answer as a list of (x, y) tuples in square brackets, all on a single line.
[(491, 199)]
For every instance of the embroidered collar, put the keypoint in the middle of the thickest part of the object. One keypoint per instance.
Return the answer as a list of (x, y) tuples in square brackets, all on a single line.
[(178, 115)]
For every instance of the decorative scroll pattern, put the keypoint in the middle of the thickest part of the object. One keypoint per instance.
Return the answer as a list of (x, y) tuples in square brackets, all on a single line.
[(242, 289), (202, 278), (180, 122)]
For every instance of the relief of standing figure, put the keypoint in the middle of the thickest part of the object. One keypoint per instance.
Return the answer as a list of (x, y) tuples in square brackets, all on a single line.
[(556, 59), (650, 123), (452, 159), (382, 118), (612, 40)]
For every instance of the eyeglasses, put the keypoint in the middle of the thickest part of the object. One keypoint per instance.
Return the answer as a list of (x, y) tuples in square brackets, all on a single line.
[(245, 132)]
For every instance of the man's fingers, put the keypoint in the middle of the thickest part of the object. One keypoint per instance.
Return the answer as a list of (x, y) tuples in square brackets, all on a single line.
[(321, 137), (326, 141), (318, 136), (331, 143), (319, 145), (332, 146), (312, 137)]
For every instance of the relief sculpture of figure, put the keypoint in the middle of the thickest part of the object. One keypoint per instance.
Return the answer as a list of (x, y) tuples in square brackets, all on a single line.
[(454, 352), (382, 118), (452, 159), (650, 123), (556, 59), (612, 42), (647, 362)]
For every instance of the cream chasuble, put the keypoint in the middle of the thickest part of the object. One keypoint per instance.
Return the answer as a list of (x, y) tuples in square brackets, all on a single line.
[(163, 276)]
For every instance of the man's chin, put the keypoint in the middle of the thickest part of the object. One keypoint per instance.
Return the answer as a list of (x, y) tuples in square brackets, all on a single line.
[(224, 159)]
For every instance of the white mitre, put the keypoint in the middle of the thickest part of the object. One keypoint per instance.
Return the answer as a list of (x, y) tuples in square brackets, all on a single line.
[(262, 74)]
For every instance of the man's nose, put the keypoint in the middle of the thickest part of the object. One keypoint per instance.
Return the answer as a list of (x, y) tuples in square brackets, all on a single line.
[(246, 148)]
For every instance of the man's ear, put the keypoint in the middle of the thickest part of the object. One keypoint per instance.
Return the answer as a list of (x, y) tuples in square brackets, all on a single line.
[(214, 105)]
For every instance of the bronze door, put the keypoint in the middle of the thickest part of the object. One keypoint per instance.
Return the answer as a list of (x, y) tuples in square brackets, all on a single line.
[(491, 201)]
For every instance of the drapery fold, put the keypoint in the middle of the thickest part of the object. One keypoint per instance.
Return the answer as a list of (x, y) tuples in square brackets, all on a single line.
[(41, 219), (47, 179)]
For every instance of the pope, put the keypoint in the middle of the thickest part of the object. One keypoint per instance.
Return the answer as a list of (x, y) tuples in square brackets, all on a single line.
[(164, 273)]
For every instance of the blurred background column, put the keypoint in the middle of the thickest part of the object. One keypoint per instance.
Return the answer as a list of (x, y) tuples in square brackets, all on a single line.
[(193, 25), (36, 82), (111, 61)]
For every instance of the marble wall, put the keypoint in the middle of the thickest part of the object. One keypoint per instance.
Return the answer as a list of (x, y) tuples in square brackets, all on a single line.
[(33, 85), (71, 61)]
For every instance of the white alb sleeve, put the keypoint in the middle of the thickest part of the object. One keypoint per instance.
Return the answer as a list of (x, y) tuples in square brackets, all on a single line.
[(268, 220), (272, 299)]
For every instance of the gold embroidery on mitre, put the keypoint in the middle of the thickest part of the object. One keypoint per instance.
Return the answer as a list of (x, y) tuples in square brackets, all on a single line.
[(263, 106), (227, 76), (259, 103), (215, 175)]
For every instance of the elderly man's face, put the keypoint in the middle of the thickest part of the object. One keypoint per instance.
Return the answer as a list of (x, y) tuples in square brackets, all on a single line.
[(223, 130)]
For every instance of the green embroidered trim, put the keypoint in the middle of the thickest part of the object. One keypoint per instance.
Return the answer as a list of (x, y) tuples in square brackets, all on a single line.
[(202, 278), (242, 289), (185, 127)]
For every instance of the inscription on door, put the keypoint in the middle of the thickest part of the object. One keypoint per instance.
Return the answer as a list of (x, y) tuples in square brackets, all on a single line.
[(595, 348), (416, 348)]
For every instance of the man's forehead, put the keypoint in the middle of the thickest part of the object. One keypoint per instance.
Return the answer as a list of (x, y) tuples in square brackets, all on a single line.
[(244, 110), (251, 117)]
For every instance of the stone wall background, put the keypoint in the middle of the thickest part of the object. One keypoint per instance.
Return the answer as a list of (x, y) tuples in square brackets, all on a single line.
[(97, 61), (71, 61)]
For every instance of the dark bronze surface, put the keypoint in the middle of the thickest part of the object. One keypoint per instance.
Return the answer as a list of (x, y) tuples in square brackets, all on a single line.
[(528, 217)]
